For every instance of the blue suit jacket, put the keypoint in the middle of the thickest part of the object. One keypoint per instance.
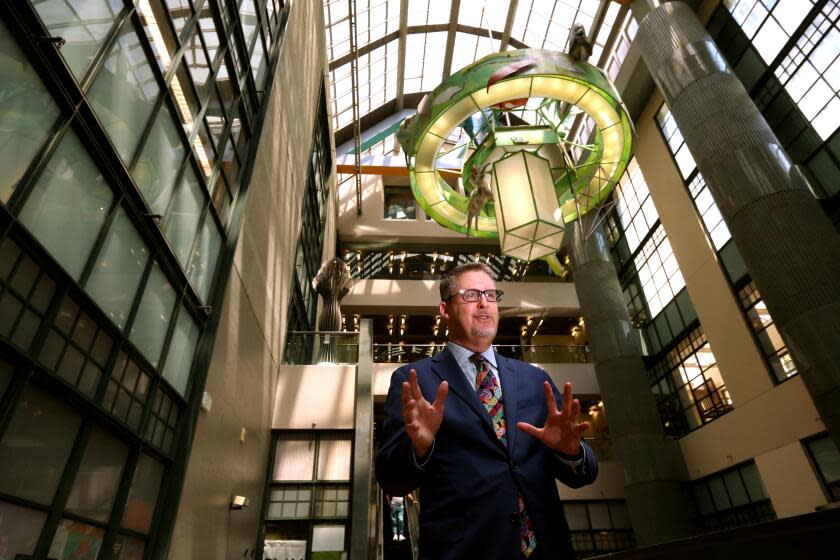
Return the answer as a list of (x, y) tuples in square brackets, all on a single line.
[(470, 485)]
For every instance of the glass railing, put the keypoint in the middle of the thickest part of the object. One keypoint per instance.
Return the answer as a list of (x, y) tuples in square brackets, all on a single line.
[(532, 353), (317, 347), (412, 265)]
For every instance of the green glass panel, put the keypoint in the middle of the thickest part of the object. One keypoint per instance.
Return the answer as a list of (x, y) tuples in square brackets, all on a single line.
[(6, 372), (74, 540), (827, 458), (118, 270), (36, 445), (152, 321), (27, 111), (181, 224), (19, 529), (159, 162), (98, 477), (181, 351), (143, 494), (248, 19), (752, 480), (736, 488), (719, 495), (124, 92), (674, 319), (83, 24), (68, 205), (205, 257), (686, 307), (703, 499), (128, 548), (826, 172), (732, 262)]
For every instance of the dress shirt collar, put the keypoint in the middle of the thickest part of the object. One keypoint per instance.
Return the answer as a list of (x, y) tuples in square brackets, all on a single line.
[(462, 355)]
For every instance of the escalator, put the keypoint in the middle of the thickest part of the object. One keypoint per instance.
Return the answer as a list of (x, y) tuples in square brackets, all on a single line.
[(407, 547)]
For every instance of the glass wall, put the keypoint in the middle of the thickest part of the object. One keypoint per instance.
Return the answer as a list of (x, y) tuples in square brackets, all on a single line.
[(116, 145), (826, 460), (688, 385), (769, 339), (599, 526), (309, 490), (787, 54), (732, 498), (303, 303)]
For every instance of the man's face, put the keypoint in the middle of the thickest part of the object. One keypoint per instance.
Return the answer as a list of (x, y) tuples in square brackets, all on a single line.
[(472, 324)]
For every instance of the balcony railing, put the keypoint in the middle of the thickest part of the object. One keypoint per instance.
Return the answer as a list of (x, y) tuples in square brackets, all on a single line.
[(531, 353), (430, 265), (311, 347)]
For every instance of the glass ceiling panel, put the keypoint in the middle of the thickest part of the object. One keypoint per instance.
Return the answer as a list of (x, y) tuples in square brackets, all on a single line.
[(428, 12), (469, 48), (476, 15), (377, 18), (537, 23)]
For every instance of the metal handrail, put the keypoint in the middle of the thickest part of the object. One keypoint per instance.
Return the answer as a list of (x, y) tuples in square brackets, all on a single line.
[(337, 333)]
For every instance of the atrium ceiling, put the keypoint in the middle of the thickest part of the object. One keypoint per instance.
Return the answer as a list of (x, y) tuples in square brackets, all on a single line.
[(404, 48)]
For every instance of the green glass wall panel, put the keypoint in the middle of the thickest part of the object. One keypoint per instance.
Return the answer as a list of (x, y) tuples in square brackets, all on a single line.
[(151, 324), (159, 162), (5, 376), (27, 111), (205, 256), (130, 548), (74, 539), (124, 92), (98, 477), (181, 351), (181, 224), (68, 205), (36, 445), (143, 494), (19, 529), (83, 24), (118, 270)]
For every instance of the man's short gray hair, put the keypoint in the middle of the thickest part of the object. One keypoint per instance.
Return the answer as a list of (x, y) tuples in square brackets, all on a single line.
[(447, 283)]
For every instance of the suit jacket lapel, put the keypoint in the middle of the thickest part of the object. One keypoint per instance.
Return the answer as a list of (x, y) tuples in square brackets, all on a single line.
[(446, 367), (510, 397)]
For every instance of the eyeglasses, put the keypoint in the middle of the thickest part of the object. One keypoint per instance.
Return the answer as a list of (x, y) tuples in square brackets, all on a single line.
[(471, 295)]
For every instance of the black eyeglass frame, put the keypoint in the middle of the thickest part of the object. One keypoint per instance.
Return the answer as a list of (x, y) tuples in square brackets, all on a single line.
[(497, 295)]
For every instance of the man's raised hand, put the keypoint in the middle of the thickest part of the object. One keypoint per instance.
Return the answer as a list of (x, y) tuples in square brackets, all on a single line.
[(422, 418), (561, 431)]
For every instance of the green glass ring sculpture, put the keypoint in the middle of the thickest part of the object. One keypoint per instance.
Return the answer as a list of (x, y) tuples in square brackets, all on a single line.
[(513, 77)]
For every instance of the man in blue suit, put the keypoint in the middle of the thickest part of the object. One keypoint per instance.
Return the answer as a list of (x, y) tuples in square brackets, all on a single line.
[(487, 488)]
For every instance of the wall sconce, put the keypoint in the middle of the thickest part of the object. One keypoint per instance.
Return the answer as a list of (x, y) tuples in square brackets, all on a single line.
[(239, 502)]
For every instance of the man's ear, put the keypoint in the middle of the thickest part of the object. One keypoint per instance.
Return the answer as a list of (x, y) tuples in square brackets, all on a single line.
[(443, 311)]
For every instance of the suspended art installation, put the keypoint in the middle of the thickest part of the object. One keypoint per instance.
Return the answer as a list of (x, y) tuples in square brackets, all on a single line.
[(332, 282), (521, 178)]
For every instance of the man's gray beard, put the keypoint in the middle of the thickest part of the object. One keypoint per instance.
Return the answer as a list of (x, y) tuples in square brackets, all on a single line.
[(478, 332)]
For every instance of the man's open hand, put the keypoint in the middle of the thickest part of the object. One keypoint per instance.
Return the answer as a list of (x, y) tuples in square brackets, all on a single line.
[(422, 419), (561, 431)]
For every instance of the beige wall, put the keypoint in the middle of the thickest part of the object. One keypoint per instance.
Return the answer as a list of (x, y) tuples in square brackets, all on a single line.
[(790, 481), (244, 368), (779, 417), (322, 395)]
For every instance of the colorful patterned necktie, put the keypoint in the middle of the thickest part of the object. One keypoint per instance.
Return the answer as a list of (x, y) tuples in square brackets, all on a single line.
[(490, 395)]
